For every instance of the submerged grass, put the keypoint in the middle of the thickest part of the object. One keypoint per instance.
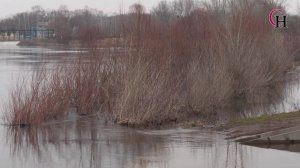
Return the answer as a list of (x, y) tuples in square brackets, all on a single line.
[(262, 124), (287, 116)]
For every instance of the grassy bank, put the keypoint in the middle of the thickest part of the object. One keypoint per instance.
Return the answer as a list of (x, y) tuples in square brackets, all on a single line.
[(40, 42), (261, 124), (100, 43), (265, 119)]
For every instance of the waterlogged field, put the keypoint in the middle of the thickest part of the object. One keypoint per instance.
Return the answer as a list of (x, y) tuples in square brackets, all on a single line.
[(81, 142)]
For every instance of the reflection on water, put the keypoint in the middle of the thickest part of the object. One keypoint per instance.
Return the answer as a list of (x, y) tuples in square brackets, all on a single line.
[(284, 147), (93, 143), (87, 143), (32, 56), (90, 143)]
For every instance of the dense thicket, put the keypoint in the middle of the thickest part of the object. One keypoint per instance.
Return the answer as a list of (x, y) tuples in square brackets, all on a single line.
[(182, 60)]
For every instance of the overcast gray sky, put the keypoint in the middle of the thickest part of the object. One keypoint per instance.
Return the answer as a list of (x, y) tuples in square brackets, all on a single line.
[(10, 7)]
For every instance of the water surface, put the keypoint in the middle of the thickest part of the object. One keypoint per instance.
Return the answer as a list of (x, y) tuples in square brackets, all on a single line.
[(86, 143)]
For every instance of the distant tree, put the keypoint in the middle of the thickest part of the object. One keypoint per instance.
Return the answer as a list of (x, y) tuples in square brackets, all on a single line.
[(183, 8), (135, 24), (86, 24), (59, 21), (163, 13), (38, 14)]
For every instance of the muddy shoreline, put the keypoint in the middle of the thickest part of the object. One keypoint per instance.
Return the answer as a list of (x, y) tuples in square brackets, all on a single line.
[(53, 43)]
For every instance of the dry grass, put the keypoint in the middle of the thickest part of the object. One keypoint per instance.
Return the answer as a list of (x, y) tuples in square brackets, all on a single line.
[(182, 71), (51, 92), (42, 99), (150, 91)]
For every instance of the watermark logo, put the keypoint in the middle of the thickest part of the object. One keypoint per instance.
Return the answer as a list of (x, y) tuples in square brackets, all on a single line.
[(279, 21)]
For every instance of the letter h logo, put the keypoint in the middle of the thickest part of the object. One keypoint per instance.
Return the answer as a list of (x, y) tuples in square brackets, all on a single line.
[(281, 21)]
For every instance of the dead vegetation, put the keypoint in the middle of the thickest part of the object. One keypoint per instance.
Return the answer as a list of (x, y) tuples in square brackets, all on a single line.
[(51, 91), (194, 64)]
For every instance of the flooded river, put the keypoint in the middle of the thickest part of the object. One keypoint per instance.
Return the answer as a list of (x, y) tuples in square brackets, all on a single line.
[(89, 143)]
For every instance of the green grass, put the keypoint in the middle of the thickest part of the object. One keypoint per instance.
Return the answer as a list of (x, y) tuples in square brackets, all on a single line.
[(264, 119)]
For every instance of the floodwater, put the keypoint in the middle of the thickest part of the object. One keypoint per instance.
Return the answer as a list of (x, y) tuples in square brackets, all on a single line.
[(89, 143)]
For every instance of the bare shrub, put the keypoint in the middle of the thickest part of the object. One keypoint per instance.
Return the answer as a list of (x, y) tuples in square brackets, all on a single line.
[(205, 60), (216, 61), (93, 82), (241, 57), (44, 98), (83, 83), (150, 93)]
